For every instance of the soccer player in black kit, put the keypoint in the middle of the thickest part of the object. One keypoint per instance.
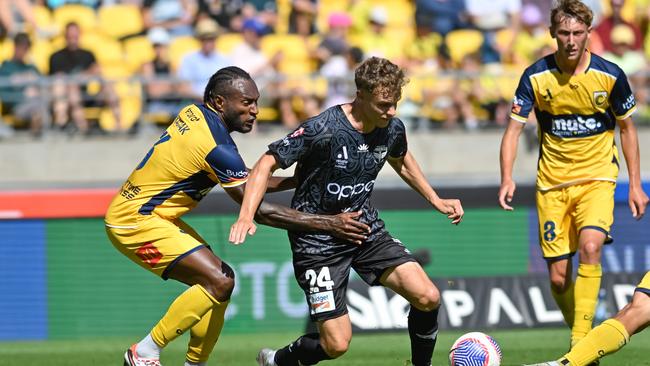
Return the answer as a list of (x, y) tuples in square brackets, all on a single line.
[(339, 154)]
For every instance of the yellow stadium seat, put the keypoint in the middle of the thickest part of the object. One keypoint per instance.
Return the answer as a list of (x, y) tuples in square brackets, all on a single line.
[(179, 47), (120, 20), (228, 41), (401, 14), (6, 49), (40, 55), (108, 52), (43, 17), (291, 45), (138, 51), (327, 7), (463, 42), (284, 8), (129, 94), (80, 14)]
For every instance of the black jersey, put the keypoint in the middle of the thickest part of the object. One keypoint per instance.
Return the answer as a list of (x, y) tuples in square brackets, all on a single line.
[(336, 171)]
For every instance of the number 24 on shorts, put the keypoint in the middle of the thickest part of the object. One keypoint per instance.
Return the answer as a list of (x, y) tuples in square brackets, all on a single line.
[(322, 280)]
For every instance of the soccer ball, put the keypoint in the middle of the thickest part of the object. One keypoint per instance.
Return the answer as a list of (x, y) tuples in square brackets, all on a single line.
[(475, 349)]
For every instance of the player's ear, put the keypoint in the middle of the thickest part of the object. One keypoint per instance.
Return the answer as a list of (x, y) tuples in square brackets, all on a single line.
[(219, 102)]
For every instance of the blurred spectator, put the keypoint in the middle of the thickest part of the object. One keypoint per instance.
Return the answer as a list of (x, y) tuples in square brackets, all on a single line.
[(606, 26), (440, 16), (377, 42), (161, 92), (533, 36), (264, 10), (249, 56), (335, 41), (339, 71), (302, 18), (72, 95), (176, 16), (19, 98), (490, 17), (228, 14), (197, 67), (8, 23), (632, 62)]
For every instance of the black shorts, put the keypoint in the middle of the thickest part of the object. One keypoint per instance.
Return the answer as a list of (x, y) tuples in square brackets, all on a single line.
[(324, 279)]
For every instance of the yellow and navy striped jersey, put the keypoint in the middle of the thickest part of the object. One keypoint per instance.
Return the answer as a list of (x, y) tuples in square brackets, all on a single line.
[(195, 153), (576, 117)]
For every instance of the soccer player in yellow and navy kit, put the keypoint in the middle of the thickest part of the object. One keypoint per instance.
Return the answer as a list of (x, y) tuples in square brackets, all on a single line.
[(613, 333), (578, 98), (144, 221)]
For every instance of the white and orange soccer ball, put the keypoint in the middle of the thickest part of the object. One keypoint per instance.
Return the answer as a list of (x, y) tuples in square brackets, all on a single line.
[(475, 349)]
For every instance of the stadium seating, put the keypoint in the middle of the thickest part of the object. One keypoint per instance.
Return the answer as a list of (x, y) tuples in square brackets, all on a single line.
[(179, 47), (138, 51), (120, 20), (462, 42), (228, 41)]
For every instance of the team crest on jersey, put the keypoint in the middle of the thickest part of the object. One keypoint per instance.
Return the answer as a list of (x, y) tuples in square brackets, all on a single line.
[(600, 98), (516, 105), (380, 152)]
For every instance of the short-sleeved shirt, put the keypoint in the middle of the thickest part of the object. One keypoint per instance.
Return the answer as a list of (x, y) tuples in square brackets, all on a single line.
[(577, 116), (336, 171), (194, 154), (71, 62), (12, 95)]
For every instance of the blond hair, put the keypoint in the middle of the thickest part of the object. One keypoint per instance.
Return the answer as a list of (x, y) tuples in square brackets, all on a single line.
[(575, 9)]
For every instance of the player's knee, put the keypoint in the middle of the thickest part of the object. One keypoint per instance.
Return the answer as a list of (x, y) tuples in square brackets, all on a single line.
[(220, 284), (590, 250), (429, 300), (336, 348)]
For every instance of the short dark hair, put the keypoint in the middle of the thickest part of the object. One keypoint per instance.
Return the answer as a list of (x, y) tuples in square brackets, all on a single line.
[(575, 9), (71, 24), (379, 73), (221, 81), (22, 39)]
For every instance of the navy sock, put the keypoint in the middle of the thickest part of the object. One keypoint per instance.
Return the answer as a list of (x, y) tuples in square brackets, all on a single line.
[(306, 350), (423, 330)]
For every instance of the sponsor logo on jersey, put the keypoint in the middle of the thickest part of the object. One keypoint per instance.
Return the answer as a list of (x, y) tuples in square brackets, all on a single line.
[(576, 126), (363, 148), (629, 102), (342, 158), (345, 191), (380, 152), (600, 98), (321, 302), (237, 174)]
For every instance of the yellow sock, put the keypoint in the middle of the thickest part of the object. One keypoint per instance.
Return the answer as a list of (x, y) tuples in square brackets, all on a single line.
[(205, 333), (188, 308), (586, 291), (566, 302), (606, 338)]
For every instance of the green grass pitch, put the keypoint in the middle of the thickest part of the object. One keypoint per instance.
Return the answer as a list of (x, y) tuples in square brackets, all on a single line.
[(519, 346)]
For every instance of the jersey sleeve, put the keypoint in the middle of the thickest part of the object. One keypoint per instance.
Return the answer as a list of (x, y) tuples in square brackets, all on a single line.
[(524, 99), (400, 145), (294, 146), (228, 165), (621, 99)]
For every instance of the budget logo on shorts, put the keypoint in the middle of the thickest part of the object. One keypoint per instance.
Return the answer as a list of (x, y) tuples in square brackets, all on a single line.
[(321, 302)]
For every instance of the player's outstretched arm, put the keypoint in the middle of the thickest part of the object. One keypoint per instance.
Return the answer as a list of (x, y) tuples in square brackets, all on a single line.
[(509, 144), (255, 187), (637, 198), (409, 170)]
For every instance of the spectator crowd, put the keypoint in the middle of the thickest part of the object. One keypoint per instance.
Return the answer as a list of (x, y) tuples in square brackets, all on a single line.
[(111, 66)]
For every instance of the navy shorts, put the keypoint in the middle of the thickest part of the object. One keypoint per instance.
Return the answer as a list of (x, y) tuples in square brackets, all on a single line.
[(324, 278)]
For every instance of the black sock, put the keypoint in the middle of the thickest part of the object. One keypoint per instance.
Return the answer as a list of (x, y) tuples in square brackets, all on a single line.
[(306, 349), (423, 330)]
